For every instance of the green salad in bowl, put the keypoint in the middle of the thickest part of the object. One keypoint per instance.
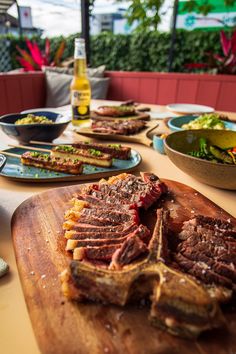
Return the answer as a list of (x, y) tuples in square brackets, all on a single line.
[(206, 121)]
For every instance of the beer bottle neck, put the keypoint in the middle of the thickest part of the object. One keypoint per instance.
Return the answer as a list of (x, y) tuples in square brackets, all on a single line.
[(79, 58), (80, 67)]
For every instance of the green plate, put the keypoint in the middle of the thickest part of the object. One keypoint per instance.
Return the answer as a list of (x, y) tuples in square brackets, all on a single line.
[(14, 169)]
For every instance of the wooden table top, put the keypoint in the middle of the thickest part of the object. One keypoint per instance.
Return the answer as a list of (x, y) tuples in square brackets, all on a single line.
[(16, 334)]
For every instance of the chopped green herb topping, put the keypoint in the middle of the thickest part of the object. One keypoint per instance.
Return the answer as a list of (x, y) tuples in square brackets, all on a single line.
[(66, 148), (115, 146), (35, 154), (41, 156), (95, 152)]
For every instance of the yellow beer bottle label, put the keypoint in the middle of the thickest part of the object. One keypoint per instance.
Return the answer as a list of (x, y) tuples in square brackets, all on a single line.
[(80, 104)]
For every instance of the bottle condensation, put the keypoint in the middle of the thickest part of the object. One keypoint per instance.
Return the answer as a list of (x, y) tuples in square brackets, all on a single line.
[(80, 86)]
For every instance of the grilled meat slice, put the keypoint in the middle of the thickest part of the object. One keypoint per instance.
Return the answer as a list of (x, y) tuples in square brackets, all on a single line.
[(207, 250), (129, 250), (127, 189), (48, 162), (115, 111), (81, 231), (96, 230), (89, 156), (116, 151), (179, 304), (207, 224), (106, 247), (126, 127)]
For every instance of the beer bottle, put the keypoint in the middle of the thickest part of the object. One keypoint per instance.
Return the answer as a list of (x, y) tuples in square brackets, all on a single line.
[(80, 86)]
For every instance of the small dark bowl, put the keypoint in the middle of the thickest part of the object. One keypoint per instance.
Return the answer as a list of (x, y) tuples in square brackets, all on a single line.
[(41, 132), (178, 144)]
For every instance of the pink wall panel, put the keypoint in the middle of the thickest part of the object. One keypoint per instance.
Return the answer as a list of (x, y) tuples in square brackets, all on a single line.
[(21, 91), (3, 98), (227, 97), (187, 91), (28, 90), (148, 90), (28, 93), (39, 97), (167, 91), (130, 89), (115, 88), (14, 97), (207, 92)]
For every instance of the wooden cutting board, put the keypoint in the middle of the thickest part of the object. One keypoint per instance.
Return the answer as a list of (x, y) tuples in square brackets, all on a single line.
[(63, 327), (143, 137)]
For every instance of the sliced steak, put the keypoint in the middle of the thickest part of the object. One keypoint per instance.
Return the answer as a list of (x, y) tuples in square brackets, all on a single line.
[(102, 253), (97, 233), (114, 216), (124, 127), (129, 190), (216, 266), (206, 225), (130, 249), (105, 251), (207, 250), (141, 231), (200, 271), (109, 217), (84, 228)]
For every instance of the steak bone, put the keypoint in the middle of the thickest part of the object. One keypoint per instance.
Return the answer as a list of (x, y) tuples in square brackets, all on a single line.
[(179, 304)]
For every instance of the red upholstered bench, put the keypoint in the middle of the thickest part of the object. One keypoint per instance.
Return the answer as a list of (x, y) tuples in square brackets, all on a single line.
[(21, 91), (218, 91), (28, 90)]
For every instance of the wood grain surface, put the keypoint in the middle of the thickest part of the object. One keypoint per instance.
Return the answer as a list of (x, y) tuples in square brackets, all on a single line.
[(63, 327)]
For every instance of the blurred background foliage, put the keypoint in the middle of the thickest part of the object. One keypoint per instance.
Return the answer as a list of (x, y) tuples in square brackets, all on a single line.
[(148, 13), (146, 51)]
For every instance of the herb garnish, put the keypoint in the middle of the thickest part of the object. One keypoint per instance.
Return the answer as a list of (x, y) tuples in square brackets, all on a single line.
[(95, 152), (115, 146), (66, 148)]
